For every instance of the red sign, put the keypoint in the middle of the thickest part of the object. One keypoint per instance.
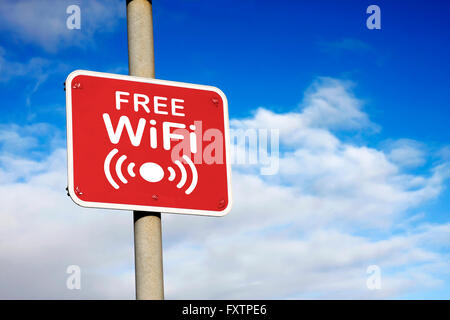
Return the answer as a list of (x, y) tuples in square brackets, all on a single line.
[(145, 144)]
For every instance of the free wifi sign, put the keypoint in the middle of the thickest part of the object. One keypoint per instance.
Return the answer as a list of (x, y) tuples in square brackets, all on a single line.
[(145, 144)]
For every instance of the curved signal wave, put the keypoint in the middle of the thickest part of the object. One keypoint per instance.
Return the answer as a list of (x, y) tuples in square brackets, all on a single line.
[(172, 173), (130, 169), (183, 178), (107, 163), (183, 174), (119, 169), (194, 175)]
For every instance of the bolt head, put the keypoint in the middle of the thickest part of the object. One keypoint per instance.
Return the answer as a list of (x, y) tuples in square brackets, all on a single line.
[(221, 204)]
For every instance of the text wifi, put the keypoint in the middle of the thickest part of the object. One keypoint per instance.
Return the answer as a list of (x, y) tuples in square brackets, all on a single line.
[(160, 106), (187, 136)]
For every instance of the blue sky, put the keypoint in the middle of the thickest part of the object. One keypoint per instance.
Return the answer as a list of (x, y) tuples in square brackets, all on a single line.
[(272, 59)]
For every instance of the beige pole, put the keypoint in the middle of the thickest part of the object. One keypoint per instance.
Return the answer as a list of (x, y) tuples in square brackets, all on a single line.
[(147, 225)]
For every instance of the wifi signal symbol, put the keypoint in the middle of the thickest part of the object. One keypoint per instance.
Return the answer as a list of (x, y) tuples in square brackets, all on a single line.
[(150, 171)]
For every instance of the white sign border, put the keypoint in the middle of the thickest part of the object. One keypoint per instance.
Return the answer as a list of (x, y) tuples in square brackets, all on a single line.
[(119, 206)]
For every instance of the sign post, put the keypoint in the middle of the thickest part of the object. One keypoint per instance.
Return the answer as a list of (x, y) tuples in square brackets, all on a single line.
[(147, 145), (147, 225)]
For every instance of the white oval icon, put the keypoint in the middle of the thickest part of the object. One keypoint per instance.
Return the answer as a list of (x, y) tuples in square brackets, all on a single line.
[(151, 172)]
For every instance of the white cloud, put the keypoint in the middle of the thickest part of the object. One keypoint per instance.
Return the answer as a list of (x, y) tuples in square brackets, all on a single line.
[(35, 69), (406, 153), (321, 264), (329, 103), (311, 231), (43, 22), (28, 139), (43, 231), (326, 192)]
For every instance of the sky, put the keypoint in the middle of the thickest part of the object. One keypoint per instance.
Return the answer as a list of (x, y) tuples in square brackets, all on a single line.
[(364, 162)]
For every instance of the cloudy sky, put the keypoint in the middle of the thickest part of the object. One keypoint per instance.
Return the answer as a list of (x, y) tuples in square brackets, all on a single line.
[(364, 162)]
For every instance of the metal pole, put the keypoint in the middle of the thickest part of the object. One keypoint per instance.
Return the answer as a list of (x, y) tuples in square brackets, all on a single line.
[(147, 225)]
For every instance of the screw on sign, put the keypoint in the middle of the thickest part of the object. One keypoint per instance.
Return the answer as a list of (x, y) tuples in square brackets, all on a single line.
[(145, 144)]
